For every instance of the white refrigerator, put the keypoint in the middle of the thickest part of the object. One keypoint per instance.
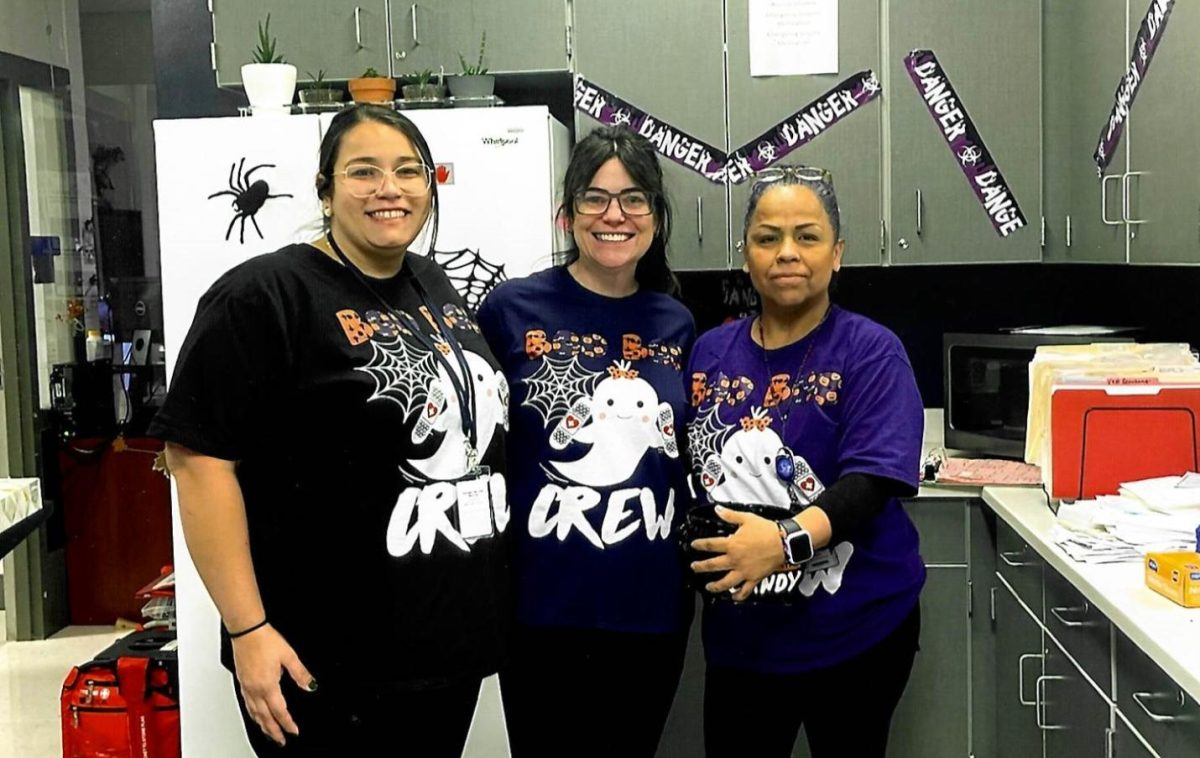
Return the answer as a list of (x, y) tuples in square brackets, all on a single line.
[(233, 188)]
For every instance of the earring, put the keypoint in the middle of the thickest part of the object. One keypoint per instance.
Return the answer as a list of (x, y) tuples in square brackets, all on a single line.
[(328, 211), (745, 268)]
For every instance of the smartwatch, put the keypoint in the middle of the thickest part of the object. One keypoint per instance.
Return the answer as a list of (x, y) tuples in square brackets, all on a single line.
[(797, 542)]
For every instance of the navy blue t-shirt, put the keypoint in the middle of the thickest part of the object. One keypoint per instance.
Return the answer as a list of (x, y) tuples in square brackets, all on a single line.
[(597, 478), (843, 400)]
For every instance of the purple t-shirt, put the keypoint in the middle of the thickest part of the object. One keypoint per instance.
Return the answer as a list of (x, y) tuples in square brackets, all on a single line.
[(843, 400), (597, 474)]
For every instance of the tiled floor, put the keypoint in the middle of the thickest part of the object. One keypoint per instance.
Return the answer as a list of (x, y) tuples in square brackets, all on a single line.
[(31, 676)]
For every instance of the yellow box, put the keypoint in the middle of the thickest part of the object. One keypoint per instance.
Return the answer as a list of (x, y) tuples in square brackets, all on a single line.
[(1176, 575)]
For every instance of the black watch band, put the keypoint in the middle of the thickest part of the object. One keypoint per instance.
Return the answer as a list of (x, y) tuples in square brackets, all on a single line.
[(797, 542)]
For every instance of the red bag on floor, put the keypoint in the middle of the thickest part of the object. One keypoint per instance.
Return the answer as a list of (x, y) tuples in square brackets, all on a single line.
[(125, 702)]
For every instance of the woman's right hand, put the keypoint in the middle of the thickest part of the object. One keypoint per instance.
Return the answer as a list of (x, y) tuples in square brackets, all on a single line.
[(259, 658)]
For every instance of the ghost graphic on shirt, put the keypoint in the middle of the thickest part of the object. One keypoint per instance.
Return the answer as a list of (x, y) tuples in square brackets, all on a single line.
[(621, 421), (448, 462), (746, 466)]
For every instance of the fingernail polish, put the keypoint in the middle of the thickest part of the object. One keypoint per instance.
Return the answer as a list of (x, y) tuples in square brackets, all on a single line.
[(312, 685)]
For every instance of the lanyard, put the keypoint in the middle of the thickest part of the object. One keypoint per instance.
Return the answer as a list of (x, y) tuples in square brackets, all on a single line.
[(464, 390)]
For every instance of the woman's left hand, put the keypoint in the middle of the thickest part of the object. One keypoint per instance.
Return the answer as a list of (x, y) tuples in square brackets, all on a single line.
[(754, 551)]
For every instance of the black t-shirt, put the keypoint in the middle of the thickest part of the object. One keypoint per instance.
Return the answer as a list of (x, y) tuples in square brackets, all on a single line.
[(348, 435)]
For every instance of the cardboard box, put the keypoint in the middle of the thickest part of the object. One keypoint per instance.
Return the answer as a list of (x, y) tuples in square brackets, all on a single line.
[(1175, 575)]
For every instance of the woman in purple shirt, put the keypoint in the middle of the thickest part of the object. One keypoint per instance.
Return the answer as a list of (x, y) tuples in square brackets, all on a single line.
[(813, 408)]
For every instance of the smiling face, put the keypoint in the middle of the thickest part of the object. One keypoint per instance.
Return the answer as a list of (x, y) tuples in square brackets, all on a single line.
[(613, 242), (625, 400), (792, 249), (378, 228)]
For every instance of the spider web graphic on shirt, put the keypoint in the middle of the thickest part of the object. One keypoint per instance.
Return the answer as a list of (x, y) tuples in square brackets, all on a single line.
[(403, 373), (556, 385), (705, 436), (473, 275)]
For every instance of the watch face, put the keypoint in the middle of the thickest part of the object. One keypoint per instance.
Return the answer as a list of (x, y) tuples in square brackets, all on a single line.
[(799, 547)]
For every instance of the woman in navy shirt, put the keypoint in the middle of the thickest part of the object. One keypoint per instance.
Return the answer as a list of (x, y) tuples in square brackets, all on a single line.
[(813, 408), (594, 352)]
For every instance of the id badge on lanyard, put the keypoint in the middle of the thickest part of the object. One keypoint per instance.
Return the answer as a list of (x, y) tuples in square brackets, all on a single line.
[(475, 506)]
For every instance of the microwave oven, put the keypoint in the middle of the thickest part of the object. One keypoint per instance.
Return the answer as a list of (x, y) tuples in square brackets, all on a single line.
[(986, 385)]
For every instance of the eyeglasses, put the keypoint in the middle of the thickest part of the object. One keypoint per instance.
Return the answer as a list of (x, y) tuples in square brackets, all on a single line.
[(595, 202), (795, 173), (365, 179)]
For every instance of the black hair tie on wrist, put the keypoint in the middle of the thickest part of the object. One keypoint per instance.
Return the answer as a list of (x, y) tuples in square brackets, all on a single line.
[(244, 632)]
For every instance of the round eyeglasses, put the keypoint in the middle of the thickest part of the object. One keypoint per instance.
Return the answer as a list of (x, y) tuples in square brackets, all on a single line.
[(595, 202), (365, 179), (795, 173)]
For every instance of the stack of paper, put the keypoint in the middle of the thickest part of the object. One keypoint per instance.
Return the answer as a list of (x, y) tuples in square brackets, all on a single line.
[(1116, 528)]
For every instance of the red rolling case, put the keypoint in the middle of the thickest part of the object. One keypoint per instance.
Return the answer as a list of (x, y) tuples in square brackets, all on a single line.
[(125, 702)]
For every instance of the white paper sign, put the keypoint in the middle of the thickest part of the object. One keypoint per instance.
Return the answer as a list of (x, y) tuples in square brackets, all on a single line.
[(789, 37)]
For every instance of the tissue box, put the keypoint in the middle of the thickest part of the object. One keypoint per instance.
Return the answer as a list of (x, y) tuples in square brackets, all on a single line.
[(1175, 575)]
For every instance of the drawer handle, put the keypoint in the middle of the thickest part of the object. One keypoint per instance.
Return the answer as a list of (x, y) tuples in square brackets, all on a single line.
[(1082, 610), (1159, 718), (1011, 557), (1021, 677), (1040, 711)]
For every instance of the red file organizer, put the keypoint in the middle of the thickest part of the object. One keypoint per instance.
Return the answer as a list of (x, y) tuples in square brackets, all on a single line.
[(1102, 436)]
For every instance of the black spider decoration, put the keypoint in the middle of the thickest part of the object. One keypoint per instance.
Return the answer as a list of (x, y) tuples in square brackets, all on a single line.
[(248, 199)]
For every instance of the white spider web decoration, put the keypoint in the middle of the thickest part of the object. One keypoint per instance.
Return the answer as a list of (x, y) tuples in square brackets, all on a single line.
[(473, 276), (403, 373), (705, 435), (556, 385)]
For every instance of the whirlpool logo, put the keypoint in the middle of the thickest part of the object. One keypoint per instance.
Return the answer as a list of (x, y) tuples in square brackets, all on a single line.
[(500, 141)]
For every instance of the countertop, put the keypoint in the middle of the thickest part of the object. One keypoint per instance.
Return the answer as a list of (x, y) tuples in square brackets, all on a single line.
[(1168, 633)]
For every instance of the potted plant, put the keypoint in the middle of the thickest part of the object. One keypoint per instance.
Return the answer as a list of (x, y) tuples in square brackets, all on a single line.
[(319, 93), (270, 82), (474, 81), (422, 87), (372, 88)]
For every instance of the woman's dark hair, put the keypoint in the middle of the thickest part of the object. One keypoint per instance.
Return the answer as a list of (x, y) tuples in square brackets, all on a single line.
[(357, 114), (640, 159)]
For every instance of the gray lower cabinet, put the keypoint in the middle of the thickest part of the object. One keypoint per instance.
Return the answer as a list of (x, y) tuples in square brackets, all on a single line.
[(991, 52), (1128, 744), (1072, 716), (1084, 58), (1153, 705), (1018, 665), (340, 38), (666, 59), (851, 149)]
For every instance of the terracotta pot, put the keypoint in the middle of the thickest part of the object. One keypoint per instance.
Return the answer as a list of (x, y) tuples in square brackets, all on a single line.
[(373, 89)]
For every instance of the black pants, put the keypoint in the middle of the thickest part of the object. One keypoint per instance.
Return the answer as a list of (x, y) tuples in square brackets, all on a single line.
[(846, 709), (584, 693), (341, 723)]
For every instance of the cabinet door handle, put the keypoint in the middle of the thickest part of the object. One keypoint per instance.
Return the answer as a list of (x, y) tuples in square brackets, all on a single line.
[(1104, 180), (1159, 718), (992, 603), (919, 206), (699, 218), (1021, 677), (1068, 231), (1010, 557), (1125, 204), (1039, 691), (1082, 610), (358, 27), (413, 12)]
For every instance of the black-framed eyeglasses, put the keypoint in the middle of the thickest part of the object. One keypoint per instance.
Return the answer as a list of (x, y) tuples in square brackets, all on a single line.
[(366, 179), (796, 173), (632, 202)]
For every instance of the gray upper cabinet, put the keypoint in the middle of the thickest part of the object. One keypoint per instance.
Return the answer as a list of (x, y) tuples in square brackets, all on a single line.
[(665, 58), (850, 149), (341, 38), (1084, 59), (991, 52), (522, 35), (1164, 146)]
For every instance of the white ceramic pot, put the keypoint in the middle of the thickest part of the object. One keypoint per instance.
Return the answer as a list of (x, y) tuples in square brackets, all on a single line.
[(269, 85)]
